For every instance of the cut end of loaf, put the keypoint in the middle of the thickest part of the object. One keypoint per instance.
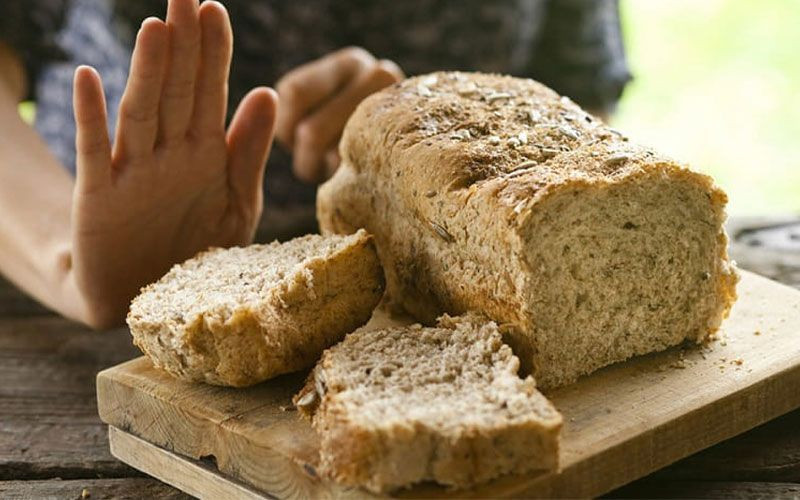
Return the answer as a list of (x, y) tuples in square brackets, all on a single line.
[(402, 405), (624, 268), (241, 315)]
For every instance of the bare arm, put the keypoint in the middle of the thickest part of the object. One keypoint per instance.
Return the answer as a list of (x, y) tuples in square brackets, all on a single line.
[(35, 202)]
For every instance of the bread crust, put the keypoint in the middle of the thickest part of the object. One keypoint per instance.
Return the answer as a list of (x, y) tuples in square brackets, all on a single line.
[(286, 330), (450, 171)]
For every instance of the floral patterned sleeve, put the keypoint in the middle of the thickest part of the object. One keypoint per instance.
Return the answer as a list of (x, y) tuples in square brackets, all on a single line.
[(580, 52), (30, 28)]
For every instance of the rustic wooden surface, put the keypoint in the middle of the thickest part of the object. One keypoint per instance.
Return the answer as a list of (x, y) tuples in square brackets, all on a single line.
[(52, 439), (621, 423)]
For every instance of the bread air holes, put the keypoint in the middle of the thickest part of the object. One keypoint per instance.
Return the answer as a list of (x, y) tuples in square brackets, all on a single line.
[(387, 370), (629, 226)]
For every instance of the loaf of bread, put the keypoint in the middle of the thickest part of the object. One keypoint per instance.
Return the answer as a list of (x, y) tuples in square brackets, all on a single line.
[(239, 316), (493, 194), (400, 405)]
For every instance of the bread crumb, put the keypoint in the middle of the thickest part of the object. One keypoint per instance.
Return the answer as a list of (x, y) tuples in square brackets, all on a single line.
[(737, 361), (85, 493), (757, 332)]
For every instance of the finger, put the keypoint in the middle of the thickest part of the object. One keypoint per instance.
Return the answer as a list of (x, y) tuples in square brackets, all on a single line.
[(249, 140), (211, 91), (92, 147), (319, 132), (137, 123), (177, 95), (311, 84)]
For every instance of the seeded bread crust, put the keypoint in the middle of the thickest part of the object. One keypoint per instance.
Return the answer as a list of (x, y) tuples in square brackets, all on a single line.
[(401, 405), (238, 316), (493, 194)]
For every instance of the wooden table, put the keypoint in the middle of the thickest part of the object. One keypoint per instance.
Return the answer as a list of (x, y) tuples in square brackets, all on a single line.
[(52, 443)]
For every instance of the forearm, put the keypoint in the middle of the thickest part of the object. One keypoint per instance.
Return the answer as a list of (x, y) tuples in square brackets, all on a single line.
[(35, 203)]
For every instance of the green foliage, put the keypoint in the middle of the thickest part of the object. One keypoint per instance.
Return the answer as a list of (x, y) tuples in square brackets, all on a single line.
[(717, 85)]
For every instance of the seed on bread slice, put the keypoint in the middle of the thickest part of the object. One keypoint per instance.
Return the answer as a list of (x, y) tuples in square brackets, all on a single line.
[(239, 316), (400, 405)]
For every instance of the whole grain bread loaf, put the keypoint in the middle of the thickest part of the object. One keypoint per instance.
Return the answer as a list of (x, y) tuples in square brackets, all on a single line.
[(400, 405), (493, 194), (239, 316)]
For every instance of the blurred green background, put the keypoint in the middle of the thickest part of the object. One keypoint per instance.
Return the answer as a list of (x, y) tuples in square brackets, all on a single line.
[(717, 85)]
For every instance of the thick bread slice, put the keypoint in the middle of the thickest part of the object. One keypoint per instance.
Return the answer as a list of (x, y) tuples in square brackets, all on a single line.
[(493, 194), (401, 405), (239, 316)]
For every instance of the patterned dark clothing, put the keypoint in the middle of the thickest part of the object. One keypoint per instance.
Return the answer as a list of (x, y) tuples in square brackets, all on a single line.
[(572, 45)]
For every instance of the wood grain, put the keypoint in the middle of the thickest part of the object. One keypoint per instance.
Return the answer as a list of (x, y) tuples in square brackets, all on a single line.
[(709, 489), (770, 452), (96, 489), (48, 409), (621, 423), (192, 476)]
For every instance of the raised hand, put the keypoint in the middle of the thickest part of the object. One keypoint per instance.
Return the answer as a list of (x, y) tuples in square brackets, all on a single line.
[(175, 181), (316, 100)]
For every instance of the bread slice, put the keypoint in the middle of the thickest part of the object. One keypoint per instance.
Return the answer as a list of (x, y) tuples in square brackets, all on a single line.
[(239, 316), (493, 194), (400, 405)]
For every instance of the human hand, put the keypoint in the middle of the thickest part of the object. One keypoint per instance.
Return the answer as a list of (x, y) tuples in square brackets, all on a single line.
[(317, 98), (175, 182)]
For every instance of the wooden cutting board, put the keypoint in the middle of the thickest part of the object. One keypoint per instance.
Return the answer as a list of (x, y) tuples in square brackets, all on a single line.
[(621, 423)]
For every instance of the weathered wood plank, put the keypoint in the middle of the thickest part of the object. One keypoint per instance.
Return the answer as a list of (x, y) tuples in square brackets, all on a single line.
[(621, 423), (49, 425), (706, 489), (93, 489)]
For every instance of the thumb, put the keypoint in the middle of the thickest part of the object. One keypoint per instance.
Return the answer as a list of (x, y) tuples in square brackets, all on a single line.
[(249, 141)]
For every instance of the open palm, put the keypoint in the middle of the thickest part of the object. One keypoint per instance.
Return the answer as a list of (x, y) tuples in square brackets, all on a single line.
[(175, 181)]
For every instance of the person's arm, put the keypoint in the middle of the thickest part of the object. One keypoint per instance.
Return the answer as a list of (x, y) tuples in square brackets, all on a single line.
[(35, 202), (175, 182)]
